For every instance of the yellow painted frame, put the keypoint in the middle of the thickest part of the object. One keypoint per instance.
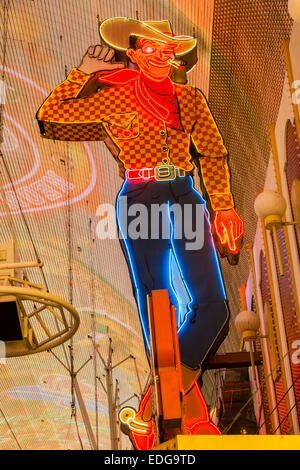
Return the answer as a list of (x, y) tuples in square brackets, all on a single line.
[(232, 442), (285, 228), (254, 278), (273, 298)]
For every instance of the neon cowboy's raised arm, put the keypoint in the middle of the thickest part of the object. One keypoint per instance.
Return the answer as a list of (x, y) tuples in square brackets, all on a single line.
[(69, 115), (213, 156)]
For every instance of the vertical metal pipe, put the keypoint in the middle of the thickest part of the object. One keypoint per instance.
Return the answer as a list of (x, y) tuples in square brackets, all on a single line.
[(117, 408), (112, 409), (267, 363), (84, 414), (259, 395), (280, 265)]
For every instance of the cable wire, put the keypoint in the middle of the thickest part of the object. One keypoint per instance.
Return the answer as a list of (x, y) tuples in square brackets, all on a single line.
[(275, 408), (253, 394), (10, 428), (295, 404), (93, 318), (69, 223)]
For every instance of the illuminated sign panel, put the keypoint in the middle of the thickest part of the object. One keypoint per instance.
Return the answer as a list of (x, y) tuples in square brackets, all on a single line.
[(62, 172), (125, 104)]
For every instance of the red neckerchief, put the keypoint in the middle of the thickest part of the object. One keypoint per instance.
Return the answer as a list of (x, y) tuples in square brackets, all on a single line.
[(158, 98)]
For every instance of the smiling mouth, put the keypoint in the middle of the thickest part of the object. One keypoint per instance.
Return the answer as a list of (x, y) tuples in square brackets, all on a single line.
[(159, 64)]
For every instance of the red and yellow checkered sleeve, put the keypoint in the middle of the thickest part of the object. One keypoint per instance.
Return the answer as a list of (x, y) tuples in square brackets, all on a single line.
[(213, 156), (216, 179), (65, 115)]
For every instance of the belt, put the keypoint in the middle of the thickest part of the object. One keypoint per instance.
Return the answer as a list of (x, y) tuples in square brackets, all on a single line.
[(158, 173)]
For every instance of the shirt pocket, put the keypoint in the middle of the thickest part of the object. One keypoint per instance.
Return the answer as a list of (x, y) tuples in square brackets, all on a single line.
[(122, 126)]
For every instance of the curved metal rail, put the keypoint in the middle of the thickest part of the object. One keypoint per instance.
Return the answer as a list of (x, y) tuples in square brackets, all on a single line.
[(42, 318)]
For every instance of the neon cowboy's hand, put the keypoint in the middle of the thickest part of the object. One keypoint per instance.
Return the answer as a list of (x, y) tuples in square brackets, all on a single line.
[(99, 58), (229, 228)]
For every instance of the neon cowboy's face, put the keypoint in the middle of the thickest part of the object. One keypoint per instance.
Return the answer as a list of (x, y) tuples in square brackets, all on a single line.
[(153, 58)]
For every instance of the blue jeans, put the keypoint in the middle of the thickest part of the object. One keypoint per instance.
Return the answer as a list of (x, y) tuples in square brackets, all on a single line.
[(167, 260)]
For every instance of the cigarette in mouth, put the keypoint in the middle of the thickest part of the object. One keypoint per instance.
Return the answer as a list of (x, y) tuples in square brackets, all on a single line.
[(175, 64)]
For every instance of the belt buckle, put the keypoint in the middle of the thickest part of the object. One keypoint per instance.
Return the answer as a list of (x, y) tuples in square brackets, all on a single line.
[(164, 172), (146, 173), (138, 174)]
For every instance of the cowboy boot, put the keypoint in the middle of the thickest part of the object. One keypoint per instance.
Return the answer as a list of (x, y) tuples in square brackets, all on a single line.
[(139, 425), (189, 376), (196, 416)]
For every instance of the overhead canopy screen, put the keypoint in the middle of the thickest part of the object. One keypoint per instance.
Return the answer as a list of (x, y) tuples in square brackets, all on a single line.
[(54, 194)]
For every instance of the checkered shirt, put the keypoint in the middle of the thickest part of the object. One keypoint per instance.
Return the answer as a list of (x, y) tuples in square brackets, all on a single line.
[(142, 140)]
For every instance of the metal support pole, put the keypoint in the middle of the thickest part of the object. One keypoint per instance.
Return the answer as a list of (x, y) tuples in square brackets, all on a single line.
[(112, 410), (117, 408), (84, 414), (113, 397)]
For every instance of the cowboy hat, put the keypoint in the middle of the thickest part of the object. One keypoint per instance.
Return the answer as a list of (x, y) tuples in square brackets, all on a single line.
[(116, 32)]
